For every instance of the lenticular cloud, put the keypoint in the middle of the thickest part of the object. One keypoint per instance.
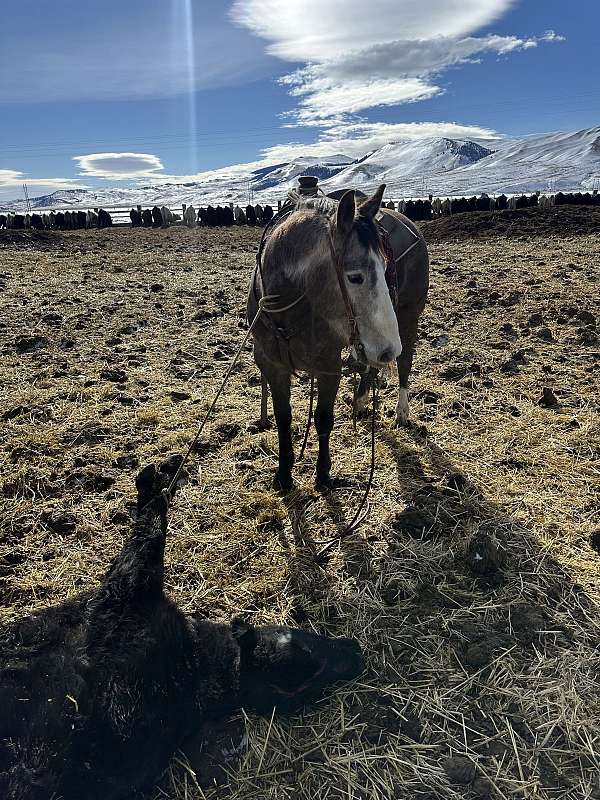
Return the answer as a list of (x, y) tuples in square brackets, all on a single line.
[(119, 166)]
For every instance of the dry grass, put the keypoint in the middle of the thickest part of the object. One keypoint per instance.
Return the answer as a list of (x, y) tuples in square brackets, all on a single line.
[(476, 606)]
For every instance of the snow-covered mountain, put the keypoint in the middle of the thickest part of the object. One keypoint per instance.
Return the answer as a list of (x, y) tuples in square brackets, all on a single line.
[(548, 162), (396, 161), (441, 166)]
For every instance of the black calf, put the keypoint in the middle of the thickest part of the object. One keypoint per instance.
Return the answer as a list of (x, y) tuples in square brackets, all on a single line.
[(136, 217), (97, 694)]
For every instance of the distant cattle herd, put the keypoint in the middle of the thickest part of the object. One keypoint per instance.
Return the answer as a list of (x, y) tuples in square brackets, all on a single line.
[(438, 207), (157, 217), (216, 216)]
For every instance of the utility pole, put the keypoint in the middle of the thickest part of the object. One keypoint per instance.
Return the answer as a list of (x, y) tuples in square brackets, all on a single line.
[(27, 201)]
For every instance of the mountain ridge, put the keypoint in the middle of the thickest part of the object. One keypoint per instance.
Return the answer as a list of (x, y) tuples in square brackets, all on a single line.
[(410, 168)]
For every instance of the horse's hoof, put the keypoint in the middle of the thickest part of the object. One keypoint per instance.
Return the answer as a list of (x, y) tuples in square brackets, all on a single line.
[(283, 484), (324, 483), (262, 425)]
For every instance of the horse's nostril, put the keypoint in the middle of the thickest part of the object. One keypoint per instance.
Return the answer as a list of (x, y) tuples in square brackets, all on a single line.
[(386, 355)]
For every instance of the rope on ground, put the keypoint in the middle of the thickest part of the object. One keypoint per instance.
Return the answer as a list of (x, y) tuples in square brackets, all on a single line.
[(264, 305), (363, 509)]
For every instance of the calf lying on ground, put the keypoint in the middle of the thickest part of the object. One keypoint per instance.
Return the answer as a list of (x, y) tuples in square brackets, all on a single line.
[(96, 694)]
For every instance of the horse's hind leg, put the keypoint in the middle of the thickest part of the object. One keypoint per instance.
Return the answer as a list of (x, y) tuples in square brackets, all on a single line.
[(408, 321), (327, 386), (279, 382)]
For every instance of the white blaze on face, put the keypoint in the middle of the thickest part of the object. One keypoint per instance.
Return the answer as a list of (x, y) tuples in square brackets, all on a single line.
[(375, 316)]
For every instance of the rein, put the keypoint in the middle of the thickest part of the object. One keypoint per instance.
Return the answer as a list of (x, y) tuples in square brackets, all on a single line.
[(265, 305), (363, 507)]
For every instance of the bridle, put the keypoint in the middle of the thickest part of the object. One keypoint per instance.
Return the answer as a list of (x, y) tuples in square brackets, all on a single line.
[(338, 256)]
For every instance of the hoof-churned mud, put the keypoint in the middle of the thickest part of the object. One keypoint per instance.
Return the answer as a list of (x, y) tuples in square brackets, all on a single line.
[(473, 583)]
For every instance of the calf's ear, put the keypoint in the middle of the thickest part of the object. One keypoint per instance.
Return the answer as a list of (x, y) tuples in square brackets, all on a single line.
[(243, 633), (345, 213), (370, 206), (144, 483)]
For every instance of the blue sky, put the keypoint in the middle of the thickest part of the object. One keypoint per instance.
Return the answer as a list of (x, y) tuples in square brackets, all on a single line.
[(159, 90)]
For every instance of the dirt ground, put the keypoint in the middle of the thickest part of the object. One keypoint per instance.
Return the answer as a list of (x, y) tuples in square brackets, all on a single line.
[(473, 585)]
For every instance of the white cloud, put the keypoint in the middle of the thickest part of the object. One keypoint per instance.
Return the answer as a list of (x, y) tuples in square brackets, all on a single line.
[(326, 102), (12, 177), (362, 55), (119, 166), (317, 31), (357, 139), (362, 79)]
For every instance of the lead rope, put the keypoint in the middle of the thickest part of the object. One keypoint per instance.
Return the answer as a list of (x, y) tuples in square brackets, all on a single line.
[(363, 509), (263, 306), (263, 303), (309, 418)]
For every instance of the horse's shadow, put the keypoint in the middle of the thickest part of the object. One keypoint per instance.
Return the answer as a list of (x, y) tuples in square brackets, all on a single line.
[(494, 553), (499, 612)]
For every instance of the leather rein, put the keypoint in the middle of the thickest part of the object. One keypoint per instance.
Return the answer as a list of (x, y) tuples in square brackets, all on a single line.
[(338, 257)]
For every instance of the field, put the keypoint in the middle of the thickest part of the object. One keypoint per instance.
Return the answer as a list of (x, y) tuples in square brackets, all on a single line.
[(473, 585)]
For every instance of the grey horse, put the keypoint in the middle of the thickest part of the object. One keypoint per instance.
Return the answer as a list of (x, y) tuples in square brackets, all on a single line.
[(324, 263)]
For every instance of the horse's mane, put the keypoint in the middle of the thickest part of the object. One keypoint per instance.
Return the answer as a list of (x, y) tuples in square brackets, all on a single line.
[(366, 229), (321, 204)]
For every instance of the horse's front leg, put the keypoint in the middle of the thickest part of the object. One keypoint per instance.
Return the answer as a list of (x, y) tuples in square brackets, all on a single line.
[(327, 386), (279, 383)]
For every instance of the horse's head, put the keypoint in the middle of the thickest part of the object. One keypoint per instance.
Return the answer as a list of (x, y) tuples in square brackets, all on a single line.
[(358, 249)]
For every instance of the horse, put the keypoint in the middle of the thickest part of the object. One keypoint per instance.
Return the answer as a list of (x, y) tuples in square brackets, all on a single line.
[(325, 263)]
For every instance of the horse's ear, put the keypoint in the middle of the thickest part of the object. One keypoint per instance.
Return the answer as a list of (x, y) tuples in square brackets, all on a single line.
[(370, 207), (345, 213)]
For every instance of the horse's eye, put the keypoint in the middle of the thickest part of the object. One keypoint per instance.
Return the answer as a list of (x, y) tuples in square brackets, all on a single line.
[(357, 278)]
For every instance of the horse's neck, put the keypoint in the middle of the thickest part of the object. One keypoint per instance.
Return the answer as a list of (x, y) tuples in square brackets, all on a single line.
[(301, 257)]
